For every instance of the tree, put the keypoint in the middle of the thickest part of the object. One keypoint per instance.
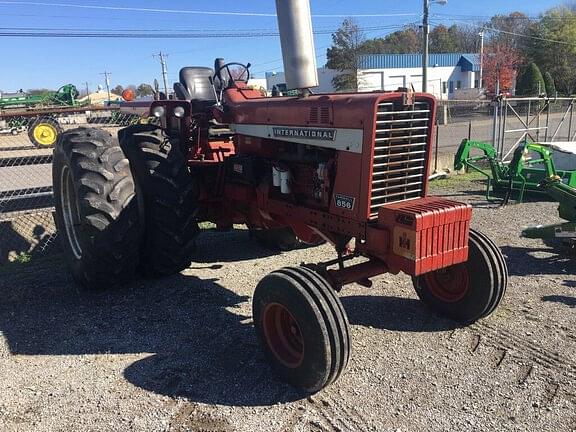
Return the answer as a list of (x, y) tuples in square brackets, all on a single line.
[(530, 81), (510, 30), (500, 66), (39, 92), (344, 54), (554, 47), (453, 39), (405, 41), (144, 90), (549, 83), (118, 90)]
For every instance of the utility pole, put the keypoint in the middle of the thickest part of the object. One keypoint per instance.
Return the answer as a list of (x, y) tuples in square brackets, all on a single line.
[(426, 32), (164, 71), (481, 80), (87, 91), (106, 74)]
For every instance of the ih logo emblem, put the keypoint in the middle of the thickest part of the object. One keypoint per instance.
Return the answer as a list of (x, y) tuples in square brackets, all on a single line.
[(404, 243)]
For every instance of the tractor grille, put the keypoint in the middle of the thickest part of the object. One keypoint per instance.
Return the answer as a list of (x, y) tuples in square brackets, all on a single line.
[(400, 153)]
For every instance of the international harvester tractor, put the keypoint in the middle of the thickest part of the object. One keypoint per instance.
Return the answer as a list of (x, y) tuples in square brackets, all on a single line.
[(350, 169)]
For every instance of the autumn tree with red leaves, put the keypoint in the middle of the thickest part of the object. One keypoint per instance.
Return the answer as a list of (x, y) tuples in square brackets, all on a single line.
[(501, 62)]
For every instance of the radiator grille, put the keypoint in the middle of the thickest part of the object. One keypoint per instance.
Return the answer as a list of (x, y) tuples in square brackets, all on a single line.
[(400, 153)]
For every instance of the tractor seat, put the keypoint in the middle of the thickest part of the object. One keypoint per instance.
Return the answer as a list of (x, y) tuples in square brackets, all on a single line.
[(195, 86)]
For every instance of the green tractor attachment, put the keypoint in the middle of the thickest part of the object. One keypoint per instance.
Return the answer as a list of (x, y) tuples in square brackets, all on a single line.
[(530, 165), (66, 96), (559, 190)]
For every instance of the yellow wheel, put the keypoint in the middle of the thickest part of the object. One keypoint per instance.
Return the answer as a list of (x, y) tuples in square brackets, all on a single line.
[(44, 132)]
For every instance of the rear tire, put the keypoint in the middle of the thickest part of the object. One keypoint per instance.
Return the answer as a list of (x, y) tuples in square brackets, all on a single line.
[(169, 192), (302, 327), (96, 208), (468, 291)]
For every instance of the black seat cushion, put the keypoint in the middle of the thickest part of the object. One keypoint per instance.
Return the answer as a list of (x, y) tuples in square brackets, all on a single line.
[(197, 81)]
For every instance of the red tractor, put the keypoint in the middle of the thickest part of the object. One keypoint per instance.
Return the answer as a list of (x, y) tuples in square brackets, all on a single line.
[(349, 169)]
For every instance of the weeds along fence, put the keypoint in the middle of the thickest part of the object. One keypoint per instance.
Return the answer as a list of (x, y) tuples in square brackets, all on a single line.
[(26, 199)]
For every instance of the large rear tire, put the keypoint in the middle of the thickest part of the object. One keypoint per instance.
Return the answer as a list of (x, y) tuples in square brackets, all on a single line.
[(469, 291), (302, 327), (170, 195), (97, 213)]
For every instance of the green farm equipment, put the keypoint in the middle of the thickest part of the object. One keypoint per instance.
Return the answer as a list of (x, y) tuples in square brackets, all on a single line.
[(37, 113), (530, 165), (66, 96), (556, 186)]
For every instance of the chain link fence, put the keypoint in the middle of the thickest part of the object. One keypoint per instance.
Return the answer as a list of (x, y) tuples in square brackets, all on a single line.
[(26, 200), (505, 124)]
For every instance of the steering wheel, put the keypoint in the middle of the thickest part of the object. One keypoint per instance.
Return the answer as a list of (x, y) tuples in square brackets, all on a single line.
[(245, 71)]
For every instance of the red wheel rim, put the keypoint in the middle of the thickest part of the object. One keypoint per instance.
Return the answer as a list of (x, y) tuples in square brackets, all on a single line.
[(450, 284), (283, 335)]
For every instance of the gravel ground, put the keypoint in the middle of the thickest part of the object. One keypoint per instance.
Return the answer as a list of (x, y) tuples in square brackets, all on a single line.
[(180, 354)]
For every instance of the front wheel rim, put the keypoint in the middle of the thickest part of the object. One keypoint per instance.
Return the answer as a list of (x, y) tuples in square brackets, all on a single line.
[(45, 134), (450, 284), (283, 335), (70, 212)]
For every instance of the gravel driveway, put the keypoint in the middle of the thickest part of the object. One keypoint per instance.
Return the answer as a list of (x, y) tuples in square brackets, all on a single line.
[(180, 354)]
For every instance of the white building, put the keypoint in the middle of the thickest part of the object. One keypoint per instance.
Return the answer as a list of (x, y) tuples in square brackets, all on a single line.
[(450, 76)]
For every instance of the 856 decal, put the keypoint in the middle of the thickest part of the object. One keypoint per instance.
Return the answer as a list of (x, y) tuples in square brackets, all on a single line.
[(344, 202)]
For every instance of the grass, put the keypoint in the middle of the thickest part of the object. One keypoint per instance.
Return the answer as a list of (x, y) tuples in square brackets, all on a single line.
[(456, 178)]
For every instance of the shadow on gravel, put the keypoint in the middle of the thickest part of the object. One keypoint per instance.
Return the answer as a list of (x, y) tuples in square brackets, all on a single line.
[(568, 301), (532, 261), (202, 348), (394, 313), (229, 246)]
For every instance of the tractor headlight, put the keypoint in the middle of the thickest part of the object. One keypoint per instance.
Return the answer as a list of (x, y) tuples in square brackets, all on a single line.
[(179, 112), (158, 111)]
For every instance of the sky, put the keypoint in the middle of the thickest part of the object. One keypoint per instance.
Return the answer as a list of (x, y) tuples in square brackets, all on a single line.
[(51, 62)]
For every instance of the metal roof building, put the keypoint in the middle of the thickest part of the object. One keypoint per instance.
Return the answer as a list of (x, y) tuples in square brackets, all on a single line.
[(470, 62), (449, 74)]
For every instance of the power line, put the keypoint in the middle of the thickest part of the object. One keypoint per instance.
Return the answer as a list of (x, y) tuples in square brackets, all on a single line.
[(195, 12), (492, 29), (279, 60), (129, 34)]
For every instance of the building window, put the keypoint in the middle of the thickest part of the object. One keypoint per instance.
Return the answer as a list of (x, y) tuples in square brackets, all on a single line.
[(444, 87), (458, 85), (476, 84), (451, 86)]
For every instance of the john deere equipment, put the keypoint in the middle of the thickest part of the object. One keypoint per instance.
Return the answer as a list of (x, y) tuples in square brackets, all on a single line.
[(65, 96), (529, 166), (37, 112), (556, 186)]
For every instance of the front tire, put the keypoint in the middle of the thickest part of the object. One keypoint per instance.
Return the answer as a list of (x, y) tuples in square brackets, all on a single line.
[(44, 132), (302, 327), (96, 208), (468, 291), (169, 192)]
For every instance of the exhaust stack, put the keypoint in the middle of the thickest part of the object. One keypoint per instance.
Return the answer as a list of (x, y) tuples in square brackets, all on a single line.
[(297, 40)]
